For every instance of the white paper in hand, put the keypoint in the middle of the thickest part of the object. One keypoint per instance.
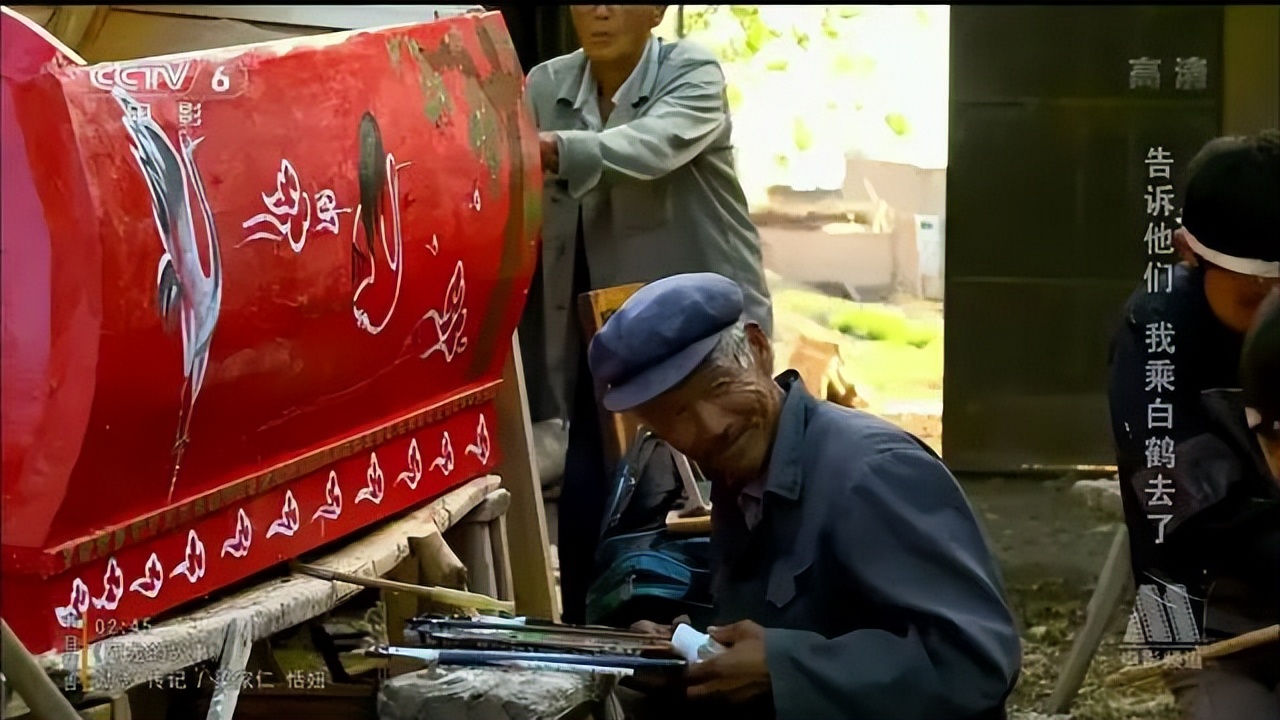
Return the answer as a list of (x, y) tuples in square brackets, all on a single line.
[(692, 645)]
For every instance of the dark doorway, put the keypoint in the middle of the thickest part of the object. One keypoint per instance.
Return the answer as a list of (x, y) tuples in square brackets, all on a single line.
[(1046, 213)]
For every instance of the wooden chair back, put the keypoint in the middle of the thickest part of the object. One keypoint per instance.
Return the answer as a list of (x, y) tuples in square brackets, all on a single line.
[(594, 308)]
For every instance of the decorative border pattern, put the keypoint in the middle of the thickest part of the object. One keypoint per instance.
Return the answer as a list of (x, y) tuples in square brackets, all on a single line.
[(149, 578), (113, 540)]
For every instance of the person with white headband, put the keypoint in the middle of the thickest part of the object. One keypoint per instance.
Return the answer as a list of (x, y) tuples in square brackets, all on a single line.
[(1229, 225), (1201, 506)]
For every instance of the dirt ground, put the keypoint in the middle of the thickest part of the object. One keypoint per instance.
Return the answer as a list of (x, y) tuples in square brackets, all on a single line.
[(1051, 546)]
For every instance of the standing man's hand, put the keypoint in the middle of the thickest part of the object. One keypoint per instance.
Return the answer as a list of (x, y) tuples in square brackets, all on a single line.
[(550, 152), (738, 673)]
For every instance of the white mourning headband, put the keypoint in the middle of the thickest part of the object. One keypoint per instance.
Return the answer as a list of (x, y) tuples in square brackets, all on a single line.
[(1244, 266)]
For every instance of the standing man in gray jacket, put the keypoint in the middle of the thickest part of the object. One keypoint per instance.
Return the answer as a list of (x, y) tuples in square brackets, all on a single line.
[(639, 185)]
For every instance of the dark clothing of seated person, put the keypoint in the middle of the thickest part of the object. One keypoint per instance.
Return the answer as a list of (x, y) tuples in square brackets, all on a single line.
[(850, 576), (1260, 378), (1201, 506)]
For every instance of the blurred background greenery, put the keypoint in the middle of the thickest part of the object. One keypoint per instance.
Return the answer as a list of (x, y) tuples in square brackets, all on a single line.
[(809, 85)]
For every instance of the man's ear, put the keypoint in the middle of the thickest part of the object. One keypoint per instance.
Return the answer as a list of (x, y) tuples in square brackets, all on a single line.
[(659, 12), (761, 348)]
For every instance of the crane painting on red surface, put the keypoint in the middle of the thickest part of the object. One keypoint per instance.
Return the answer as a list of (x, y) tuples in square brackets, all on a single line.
[(187, 294), (379, 178)]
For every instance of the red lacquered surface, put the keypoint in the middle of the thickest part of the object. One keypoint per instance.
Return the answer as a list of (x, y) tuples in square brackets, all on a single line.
[(197, 296)]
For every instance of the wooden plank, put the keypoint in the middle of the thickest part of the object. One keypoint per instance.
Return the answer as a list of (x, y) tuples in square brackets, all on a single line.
[(75, 25), (130, 660), (501, 558), (1103, 606), (129, 35), (474, 543), (534, 584), (492, 508), (437, 565), (471, 541), (41, 15), (231, 668), (813, 359), (594, 308)]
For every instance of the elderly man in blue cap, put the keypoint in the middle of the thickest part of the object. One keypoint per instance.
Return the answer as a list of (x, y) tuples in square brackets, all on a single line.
[(850, 577)]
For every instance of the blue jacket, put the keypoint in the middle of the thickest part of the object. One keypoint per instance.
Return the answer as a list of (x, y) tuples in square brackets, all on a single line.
[(878, 592)]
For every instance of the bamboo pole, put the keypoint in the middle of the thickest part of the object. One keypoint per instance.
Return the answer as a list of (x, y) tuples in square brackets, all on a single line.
[(443, 596), (25, 676), (1139, 674)]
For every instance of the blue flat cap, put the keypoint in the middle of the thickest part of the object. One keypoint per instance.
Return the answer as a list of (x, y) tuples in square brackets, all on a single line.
[(660, 335)]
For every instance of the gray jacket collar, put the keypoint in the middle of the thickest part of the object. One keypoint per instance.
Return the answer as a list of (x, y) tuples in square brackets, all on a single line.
[(578, 86), (786, 477)]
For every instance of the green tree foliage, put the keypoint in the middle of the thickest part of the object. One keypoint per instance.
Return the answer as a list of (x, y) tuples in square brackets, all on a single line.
[(739, 33)]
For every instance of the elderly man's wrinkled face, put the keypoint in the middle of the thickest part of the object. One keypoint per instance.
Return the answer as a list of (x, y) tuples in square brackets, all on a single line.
[(722, 418), (610, 33)]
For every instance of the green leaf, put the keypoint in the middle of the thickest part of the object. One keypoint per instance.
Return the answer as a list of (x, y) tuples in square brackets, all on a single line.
[(801, 37), (777, 64), (757, 35), (697, 20), (801, 135), (847, 64), (897, 122), (734, 95), (842, 64)]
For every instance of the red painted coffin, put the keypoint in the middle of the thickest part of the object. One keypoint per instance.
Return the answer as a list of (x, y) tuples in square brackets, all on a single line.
[(254, 299)]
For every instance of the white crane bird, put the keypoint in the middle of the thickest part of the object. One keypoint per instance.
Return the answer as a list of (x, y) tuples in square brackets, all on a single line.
[(183, 288)]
